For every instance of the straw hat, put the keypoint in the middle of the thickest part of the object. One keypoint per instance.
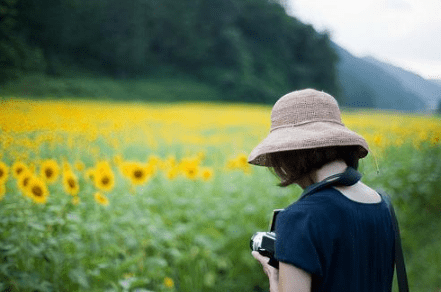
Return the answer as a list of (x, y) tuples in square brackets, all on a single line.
[(306, 119)]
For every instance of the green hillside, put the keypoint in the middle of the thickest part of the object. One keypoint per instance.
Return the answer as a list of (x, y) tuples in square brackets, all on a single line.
[(251, 51)]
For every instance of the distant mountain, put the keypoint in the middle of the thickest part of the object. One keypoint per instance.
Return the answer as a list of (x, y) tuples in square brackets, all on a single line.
[(366, 84), (437, 81), (427, 90)]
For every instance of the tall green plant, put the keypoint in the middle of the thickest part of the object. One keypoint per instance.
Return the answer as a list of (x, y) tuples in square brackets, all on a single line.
[(414, 185)]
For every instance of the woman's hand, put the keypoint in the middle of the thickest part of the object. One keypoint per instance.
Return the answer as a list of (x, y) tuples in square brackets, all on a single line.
[(270, 271)]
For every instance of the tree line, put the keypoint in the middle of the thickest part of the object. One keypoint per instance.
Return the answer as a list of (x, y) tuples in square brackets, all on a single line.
[(252, 50)]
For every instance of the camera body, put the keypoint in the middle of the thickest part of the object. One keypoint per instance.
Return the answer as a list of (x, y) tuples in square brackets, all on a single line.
[(265, 242)]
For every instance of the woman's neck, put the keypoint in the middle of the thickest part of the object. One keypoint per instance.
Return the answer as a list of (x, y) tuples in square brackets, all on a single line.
[(320, 174), (329, 169)]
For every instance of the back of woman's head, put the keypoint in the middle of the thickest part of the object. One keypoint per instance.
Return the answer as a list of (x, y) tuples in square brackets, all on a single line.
[(292, 165)]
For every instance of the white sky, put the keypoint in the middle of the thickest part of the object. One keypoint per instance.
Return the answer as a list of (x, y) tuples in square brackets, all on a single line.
[(405, 33)]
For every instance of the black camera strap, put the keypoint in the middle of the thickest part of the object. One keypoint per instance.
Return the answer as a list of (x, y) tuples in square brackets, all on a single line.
[(348, 178), (400, 265)]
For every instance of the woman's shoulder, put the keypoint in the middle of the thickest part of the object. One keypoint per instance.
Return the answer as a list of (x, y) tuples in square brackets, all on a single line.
[(360, 193), (324, 198), (322, 204), (331, 202)]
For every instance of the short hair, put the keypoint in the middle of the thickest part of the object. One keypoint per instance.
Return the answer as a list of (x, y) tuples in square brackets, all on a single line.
[(292, 165)]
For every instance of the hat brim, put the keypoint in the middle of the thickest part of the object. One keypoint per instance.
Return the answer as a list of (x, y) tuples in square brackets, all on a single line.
[(307, 136)]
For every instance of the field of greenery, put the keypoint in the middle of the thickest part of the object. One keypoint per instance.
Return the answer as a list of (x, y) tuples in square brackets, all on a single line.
[(119, 196)]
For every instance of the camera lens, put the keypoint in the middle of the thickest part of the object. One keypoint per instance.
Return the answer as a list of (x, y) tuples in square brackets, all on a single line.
[(256, 240)]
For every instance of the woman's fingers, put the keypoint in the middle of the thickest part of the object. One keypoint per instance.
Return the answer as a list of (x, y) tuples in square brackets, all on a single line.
[(262, 259)]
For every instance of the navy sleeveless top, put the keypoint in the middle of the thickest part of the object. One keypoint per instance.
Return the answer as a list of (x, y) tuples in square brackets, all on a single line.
[(344, 245)]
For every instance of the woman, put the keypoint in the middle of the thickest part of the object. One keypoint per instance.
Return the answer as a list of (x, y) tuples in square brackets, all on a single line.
[(338, 238)]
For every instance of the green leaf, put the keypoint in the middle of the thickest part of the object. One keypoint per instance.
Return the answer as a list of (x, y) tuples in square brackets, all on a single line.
[(78, 276), (36, 226), (4, 269)]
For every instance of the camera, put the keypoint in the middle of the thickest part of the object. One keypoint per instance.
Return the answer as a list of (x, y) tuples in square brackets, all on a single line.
[(264, 242)]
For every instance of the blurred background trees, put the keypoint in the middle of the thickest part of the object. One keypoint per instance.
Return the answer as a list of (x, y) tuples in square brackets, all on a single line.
[(251, 50)]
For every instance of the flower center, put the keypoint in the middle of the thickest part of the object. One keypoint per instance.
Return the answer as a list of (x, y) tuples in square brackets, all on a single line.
[(137, 173), (49, 172), (37, 191), (25, 181), (105, 180), (71, 183)]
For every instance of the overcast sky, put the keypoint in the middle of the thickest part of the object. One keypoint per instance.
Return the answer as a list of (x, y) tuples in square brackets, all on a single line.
[(405, 33)]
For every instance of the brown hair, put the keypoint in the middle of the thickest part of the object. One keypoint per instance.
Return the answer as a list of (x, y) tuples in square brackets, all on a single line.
[(292, 165)]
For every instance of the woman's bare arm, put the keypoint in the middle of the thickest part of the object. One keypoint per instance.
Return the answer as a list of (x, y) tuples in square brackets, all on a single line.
[(293, 279), (287, 279)]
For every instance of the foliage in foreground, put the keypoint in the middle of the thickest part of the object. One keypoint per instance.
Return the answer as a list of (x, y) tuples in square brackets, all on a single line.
[(414, 183), (169, 205), (189, 234)]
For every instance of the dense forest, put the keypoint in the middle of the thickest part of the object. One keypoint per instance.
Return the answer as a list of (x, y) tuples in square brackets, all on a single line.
[(252, 51)]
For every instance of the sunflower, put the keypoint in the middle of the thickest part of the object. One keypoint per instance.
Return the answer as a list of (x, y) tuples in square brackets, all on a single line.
[(168, 282), (37, 190), (242, 161), (18, 168), (79, 165), (239, 162), (125, 167), (154, 160), (49, 171), (118, 159), (138, 174), (103, 166), (206, 173), (23, 181), (190, 168), (66, 165), (104, 180), (378, 140), (70, 183), (4, 171), (191, 171), (172, 173), (103, 176), (101, 199)]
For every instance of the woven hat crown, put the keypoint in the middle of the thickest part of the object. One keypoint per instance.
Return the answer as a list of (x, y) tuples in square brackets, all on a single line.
[(303, 107), (306, 119)]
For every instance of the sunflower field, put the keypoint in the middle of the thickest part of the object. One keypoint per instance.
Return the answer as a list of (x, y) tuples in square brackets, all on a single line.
[(119, 196)]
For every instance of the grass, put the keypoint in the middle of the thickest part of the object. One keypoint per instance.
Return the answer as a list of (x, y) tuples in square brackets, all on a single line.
[(195, 233), (156, 89), (185, 233)]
